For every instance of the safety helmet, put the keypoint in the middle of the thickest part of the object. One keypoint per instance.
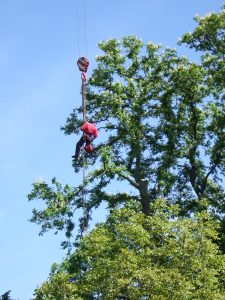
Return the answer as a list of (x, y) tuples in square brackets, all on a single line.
[(83, 64)]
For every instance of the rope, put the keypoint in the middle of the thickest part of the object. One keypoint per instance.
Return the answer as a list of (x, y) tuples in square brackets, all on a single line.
[(82, 33), (78, 29), (85, 213), (84, 78), (83, 65), (85, 27)]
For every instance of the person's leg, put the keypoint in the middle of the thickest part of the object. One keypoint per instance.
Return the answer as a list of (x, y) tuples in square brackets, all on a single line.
[(78, 147), (88, 142)]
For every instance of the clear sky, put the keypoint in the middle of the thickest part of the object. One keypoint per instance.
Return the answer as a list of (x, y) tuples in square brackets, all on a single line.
[(39, 86)]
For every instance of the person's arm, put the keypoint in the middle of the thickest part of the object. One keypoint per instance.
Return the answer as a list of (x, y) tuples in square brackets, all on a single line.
[(83, 127), (95, 133)]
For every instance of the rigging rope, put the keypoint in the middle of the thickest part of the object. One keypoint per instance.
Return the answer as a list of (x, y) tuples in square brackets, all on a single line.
[(83, 66), (85, 27), (81, 16), (78, 29), (84, 204), (83, 90)]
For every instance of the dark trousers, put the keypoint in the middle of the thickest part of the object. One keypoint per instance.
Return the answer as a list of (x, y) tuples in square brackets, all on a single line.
[(83, 140)]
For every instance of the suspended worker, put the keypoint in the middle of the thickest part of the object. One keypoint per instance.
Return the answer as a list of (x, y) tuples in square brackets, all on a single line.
[(90, 132)]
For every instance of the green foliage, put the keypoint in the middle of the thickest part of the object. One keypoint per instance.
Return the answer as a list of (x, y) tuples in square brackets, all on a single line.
[(6, 296), (208, 35), (163, 124), (59, 202), (162, 127), (132, 256), (209, 38), (58, 287)]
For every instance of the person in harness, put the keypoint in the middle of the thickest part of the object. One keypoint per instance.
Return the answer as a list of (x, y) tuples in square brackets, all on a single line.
[(90, 132)]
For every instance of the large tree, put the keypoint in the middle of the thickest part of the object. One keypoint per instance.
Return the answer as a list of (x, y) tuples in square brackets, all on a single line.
[(136, 257), (162, 128)]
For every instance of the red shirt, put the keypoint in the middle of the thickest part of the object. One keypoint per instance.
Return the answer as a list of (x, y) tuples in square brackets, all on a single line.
[(90, 129)]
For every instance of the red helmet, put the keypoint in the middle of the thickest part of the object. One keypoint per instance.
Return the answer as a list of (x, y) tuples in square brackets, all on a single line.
[(89, 148), (83, 64)]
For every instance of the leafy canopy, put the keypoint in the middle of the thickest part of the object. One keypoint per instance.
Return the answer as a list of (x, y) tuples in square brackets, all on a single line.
[(132, 256), (162, 127), (161, 120)]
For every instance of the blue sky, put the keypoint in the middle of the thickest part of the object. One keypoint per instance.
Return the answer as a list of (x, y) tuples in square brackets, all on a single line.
[(39, 86)]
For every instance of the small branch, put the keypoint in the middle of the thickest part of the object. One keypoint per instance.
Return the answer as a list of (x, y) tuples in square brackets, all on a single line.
[(132, 182), (207, 176)]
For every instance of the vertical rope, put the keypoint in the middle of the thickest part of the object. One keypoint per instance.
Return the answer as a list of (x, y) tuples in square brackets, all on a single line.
[(83, 77), (85, 208), (85, 213), (83, 65), (85, 27), (81, 44), (78, 29)]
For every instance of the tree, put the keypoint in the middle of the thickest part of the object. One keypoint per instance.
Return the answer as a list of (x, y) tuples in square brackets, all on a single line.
[(57, 288), (208, 38), (162, 119), (6, 296), (131, 256)]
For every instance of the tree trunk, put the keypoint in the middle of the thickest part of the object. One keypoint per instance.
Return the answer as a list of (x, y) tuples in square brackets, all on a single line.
[(145, 197)]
